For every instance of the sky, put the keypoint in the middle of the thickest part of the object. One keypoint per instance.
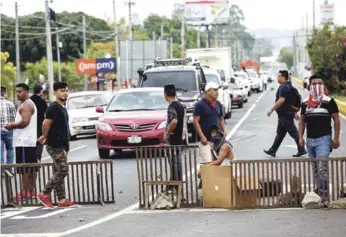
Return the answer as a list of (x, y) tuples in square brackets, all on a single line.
[(282, 14)]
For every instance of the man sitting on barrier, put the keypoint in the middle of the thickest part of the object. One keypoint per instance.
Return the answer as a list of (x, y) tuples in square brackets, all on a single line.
[(221, 148)]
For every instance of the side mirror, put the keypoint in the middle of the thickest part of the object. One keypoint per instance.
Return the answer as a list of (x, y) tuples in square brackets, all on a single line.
[(203, 86), (99, 110), (140, 71), (225, 85), (232, 80)]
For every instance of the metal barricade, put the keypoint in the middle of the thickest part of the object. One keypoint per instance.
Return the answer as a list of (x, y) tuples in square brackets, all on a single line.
[(276, 182), (87, 182)]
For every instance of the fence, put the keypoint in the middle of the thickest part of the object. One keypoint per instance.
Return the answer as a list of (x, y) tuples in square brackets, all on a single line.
[(87, 182), (281, 182)]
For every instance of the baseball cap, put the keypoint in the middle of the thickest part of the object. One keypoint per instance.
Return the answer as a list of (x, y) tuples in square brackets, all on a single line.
[(212, 85)]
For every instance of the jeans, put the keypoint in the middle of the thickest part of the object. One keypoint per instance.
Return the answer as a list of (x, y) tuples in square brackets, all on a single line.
[(285, 125), (265, 86), (175, 164), (320, 148), (6, 142)]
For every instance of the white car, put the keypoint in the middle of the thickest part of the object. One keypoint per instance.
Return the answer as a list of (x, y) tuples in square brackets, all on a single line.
[(224, 96), (242, 78), (237, 95), (257, 83), (81, 108), (241, 87)]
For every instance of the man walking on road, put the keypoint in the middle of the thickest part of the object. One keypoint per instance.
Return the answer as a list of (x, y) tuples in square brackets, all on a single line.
[(24, 139), (175, 126), (8, 115), (316, 115), (286, 116), (56, 134)]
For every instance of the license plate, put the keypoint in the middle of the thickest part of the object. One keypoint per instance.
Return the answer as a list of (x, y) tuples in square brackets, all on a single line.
[(134, 140), (89, 127)]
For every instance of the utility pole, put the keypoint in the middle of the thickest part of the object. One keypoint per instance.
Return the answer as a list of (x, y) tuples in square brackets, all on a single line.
[(294, 55), (130, 4), (116, 41), (153, 35), (161, 32), (85, 53), (17, 45), (306, 39), (171, 43), (58, 53), (198, 39), (182, 52), (314, 14), (49, 52)]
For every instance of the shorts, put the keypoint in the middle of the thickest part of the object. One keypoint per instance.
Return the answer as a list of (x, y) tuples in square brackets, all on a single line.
[(26, 155)]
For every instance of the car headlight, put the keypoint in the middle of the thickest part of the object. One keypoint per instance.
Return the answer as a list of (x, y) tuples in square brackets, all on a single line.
[(162, 125), (78, 120), (103, 126)]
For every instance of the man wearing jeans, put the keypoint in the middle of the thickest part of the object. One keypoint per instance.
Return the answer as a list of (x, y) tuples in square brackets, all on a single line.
[(316, 115), (174, 130), (8, 115)]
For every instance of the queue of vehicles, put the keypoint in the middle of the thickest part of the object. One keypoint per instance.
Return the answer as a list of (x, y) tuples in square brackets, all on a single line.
[(137, 117)]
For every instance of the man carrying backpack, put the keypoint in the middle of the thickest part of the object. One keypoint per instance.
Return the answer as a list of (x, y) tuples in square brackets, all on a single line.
[(287, 104)]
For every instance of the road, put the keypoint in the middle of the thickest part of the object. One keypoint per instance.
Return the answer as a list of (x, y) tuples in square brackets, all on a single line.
[(248, 127)]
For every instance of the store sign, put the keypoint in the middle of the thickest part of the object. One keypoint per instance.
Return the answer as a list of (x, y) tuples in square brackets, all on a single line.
[(98, 65)]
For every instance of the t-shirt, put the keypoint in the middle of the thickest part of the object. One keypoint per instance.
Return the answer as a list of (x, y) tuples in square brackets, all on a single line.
[(59, 133), (284, 91), (176, 111), (318, 120), (41, 106), (208, 114)]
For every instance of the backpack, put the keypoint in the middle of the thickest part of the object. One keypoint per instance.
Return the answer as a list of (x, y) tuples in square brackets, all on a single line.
[(295, 99)]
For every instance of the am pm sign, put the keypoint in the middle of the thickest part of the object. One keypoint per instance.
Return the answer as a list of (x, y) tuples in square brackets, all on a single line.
[(96, 65)]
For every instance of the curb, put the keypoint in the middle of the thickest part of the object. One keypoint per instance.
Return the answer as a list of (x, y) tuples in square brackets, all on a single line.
[(341, 105)]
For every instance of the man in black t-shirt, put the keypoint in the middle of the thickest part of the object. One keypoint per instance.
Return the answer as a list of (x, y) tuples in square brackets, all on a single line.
[(316, 116), (174, 129), (55, 131)]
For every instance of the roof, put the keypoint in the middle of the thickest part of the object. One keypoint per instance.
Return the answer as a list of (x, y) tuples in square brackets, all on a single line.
[(142, 89), (172, 68), (83, 93)]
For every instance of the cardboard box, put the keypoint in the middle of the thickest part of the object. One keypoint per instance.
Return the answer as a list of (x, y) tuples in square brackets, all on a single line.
[(221, 190)]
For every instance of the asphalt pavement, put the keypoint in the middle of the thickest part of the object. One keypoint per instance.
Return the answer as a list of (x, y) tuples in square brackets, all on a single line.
[(249, 127)]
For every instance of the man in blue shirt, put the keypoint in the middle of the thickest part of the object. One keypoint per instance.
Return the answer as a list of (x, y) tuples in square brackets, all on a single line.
[(286, 116), (208, 112)]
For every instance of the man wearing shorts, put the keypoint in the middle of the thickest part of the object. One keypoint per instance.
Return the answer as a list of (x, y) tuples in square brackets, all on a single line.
[(24, 139)]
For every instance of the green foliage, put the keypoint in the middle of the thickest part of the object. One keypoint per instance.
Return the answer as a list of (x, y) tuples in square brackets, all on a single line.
[(327, 50), (68, 72), (286, 56), (8, 73)]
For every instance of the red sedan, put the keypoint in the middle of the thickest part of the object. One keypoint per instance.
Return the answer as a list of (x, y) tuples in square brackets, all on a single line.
[(134, 117)]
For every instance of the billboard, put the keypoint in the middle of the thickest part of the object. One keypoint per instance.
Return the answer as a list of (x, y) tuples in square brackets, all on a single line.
[(96, 65), (327, 13), (199, 13)]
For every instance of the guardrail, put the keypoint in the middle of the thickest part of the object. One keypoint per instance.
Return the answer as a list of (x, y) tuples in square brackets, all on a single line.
[(281, 182), (87, 182)]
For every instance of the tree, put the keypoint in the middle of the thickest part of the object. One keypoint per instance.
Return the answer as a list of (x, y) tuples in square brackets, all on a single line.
[(327, 51), (8, 73), (286, 56)]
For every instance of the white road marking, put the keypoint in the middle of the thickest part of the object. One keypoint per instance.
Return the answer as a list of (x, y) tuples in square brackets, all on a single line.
[(74, 149), (9, 212), (291, 146), (242, 120), (42, 216)]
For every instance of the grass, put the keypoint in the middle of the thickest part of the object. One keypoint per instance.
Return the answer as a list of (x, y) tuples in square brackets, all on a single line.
[(338, 97)]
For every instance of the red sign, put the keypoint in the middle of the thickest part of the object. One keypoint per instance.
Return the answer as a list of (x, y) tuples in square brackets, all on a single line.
[(86, 66)]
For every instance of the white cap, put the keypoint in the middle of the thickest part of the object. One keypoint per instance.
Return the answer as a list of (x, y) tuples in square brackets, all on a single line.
[(212, 85)]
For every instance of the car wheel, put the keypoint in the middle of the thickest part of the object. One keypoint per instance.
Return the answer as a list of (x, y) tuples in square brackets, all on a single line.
[(245, 101), (73, 138), (249, 93), (118, 150), (240, 105), (258, 90), (103, 153)]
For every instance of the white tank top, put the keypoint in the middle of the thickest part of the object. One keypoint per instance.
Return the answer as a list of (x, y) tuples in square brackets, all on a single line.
[(26, 137)]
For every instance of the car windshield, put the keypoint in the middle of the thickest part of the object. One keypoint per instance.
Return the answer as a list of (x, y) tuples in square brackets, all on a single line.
[(137, 101), (212, 78), (252, 74), (183, 80), (87, 101)]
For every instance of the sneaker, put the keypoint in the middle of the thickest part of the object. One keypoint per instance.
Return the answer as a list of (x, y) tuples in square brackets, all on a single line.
[(67, 204), (22, 195), (300, 153), (45, 200), (270, 153)]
